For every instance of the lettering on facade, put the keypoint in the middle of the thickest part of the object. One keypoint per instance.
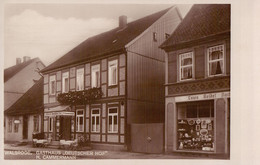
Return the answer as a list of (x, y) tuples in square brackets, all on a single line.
[(203, 96)]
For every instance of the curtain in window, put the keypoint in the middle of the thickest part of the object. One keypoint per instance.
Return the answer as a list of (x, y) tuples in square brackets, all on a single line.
[(216, 67), (80, 81)]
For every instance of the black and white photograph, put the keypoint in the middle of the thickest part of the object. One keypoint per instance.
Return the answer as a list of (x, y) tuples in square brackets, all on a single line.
[(119, 81)]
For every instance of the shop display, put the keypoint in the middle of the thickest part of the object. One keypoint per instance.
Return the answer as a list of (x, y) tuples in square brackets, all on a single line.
[(196, 134)]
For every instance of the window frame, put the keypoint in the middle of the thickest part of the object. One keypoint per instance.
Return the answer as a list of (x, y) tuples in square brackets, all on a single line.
[(94, 69), (186, 66), (223, 59), (10, 125), (36, 120), (79, 72), (65, 75), (95, 116), (78, 116), (112, 114), (52, 79), (112, 64)]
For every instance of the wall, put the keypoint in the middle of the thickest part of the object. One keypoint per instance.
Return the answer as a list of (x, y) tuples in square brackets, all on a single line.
[(18, 136), (108, 91), (21, 82), (200, 60)]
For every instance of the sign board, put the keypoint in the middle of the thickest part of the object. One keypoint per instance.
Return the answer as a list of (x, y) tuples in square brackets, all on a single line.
[(51, 114), (207, 96)]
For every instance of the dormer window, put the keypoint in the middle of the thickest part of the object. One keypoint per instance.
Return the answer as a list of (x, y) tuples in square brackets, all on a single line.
[(215, 60), (154, 36)]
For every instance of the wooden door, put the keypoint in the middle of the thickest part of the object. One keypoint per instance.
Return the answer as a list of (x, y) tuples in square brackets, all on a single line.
[(65, 129), (25, 127)]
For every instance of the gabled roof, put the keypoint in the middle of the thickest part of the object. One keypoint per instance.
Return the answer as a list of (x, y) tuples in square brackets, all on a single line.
[(200, 22), (13, 70), (30, 103), (112, 41)]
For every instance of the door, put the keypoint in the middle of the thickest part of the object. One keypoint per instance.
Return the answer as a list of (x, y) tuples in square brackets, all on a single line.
[(147, 138), (25, 127), (65, 129)]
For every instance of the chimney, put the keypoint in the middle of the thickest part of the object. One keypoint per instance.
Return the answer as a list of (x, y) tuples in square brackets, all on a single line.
[(122, 21), (18, 61), (26, 58)]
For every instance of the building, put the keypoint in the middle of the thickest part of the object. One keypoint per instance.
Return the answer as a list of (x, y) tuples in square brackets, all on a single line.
[(197, 90), (127, 65), (19, 78), (25, 116)]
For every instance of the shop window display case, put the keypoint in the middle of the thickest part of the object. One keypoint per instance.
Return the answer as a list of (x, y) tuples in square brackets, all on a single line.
[(195, 127)]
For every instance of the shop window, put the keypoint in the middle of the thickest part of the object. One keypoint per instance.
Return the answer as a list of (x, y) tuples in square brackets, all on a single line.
[(65, 82), (36, 123), (113, 120), (112, 73), (50, 124), (216, 60), (196, 126), (52, 85), (95, 120), (95, 76), (80, 79), (186, 66), (80, 121), (10, 125)]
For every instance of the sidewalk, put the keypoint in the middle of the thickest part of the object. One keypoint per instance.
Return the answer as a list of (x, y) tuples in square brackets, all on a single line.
[(99, 154)]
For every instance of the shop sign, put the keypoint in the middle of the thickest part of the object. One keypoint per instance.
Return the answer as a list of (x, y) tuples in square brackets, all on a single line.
[(59, 114), (207, 96)]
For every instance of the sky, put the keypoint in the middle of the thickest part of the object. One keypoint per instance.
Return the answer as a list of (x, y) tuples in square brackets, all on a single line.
[(49, 31)]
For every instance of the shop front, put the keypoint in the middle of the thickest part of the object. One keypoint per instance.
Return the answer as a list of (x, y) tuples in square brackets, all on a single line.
[(59, 123), (200, 123)]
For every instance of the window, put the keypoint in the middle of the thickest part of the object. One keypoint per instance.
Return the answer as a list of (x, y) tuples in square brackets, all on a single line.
[(195, 128), (112, 120), (154, 36), (80, 79), (50, 124), (112, 72), (79, 121), (36, 123), (167, 36), (65, 82), (52, 85), (186, 66), (10, 125), (95, 76), (16, 126), (95, 120), (215, 60)]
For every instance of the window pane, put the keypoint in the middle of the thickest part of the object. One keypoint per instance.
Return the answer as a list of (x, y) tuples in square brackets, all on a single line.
[(97, 118), (110, 120), (187, 61), (186, 73), (80, 112), (93, 120), (115, 119), (216, 67), (204, 110), (114, 75), (81, 120), (95, 111), (114, 110), (191, 111), (66, 83)]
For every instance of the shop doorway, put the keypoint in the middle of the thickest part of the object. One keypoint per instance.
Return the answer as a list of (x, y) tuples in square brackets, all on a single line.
[(65, 127), (25, 127)]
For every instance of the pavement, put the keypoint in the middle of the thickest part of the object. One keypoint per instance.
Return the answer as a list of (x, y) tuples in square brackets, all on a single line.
[(17, 152)]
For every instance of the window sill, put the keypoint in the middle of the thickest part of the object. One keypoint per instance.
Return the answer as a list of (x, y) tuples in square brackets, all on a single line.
[(112, 86)]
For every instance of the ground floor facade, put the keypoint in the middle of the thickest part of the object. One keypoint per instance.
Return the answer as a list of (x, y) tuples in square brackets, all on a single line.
[(21, 127), (198, 123), (102, 123)]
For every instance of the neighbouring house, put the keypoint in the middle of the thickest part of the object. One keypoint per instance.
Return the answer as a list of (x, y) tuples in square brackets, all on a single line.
[(25, 116), (197, 98), (18, 79), (126, 66)]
